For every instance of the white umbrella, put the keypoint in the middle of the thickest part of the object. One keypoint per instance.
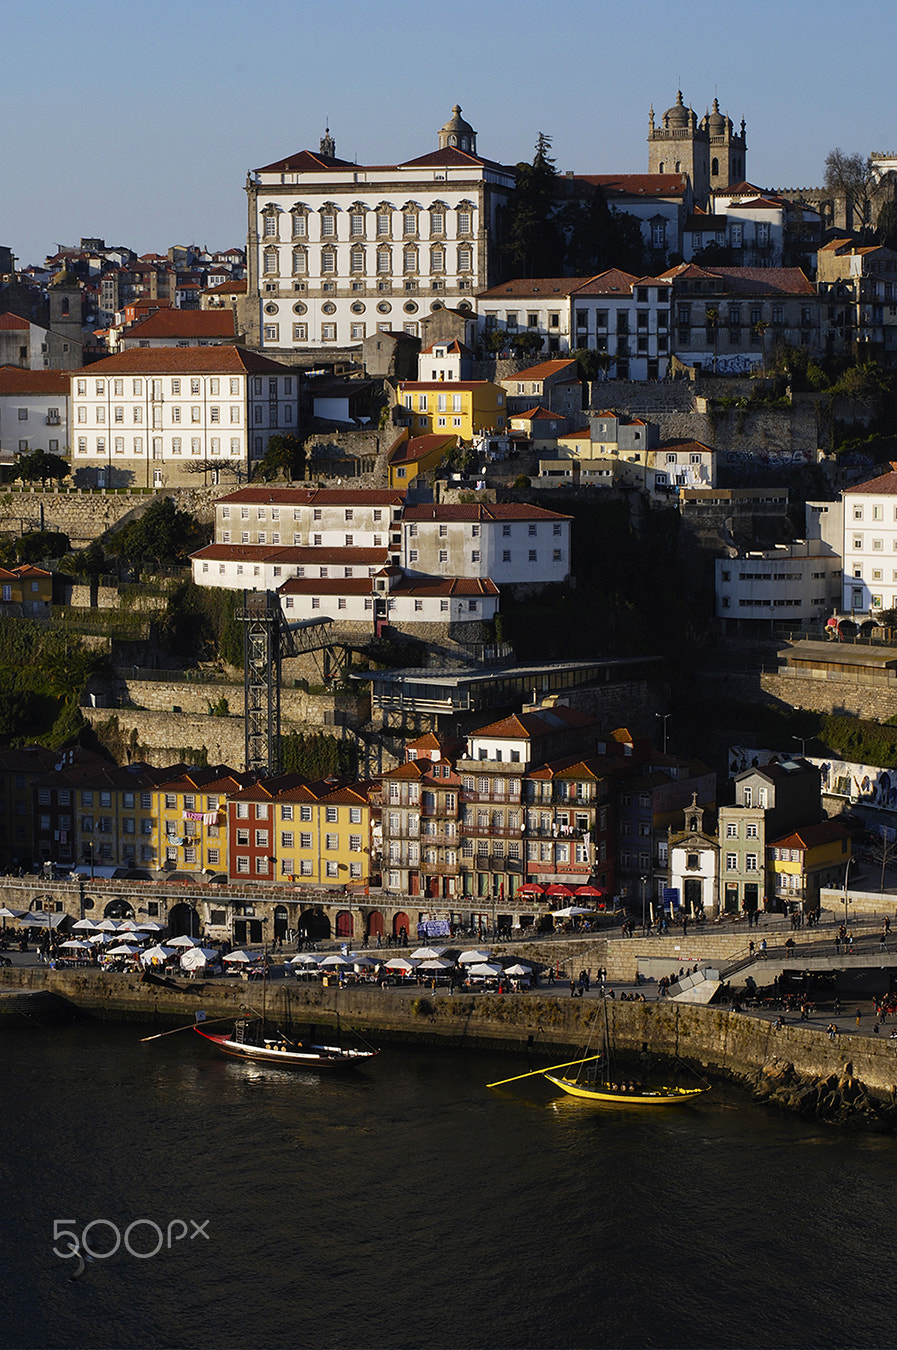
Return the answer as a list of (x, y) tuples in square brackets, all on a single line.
[(336, 959), (429, 953), (197, 956), (242, 958), (34, 918), (129, 925), (436, 963), (399, 963), (363, 962), (76, 945), (123, 949), (184, 941), (157, 954), (305, 959), (152, 927), (486, 968), (519, 969), (83, 924), (100, 939), (108, 926), (7, 913), (473, 958), (570, 912)]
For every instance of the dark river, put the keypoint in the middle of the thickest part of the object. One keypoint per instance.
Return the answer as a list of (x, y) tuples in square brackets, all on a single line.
[(407, 1205)]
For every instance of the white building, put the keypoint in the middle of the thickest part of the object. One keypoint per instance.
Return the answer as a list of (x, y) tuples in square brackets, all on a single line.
[(511, 543), (156, 418), (795, 583), (390, 597), (337, 250), (445, 361), (311, 517), (260, 567), (870, 545), (34, 411)]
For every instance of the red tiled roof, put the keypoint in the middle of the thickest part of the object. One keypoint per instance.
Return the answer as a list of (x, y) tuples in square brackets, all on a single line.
[(812, 836), (884, 485), (15, 380), (537, 414), (454, 347), (306, 161), (221, 359), (296, 496), (532, 725), (448, 157), (12, 321), (442, 385), (523, 286), (227, 288), (750, 280), (421, 586), (296, 554), (184, 323), (407, 452), (543, 371), (327, 586), (635, 184), (475, 511)]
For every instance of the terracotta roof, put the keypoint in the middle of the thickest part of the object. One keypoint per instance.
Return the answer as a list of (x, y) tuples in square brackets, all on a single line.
[(227, 288), (327, 586), (213, 778), (812, 836), (750, 280), (448, 157), (635, 184), (281, 787), (532, 725), (306, 161), (454, 347), (696, 446), (421, 586), (296, 496), (884, 485), (442, 385), (477, 511), (543, 371), (184, 323), (295, 554), (538, 414), (222, 359), (12, 321), (406, 452), (525, 286), (15, 380)]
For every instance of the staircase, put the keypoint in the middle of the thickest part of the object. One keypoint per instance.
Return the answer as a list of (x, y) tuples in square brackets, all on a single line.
[(697, 988)]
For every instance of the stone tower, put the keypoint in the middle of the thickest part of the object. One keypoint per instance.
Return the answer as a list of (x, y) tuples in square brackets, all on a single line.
[(709, 151), (328, 144), (458, 134)]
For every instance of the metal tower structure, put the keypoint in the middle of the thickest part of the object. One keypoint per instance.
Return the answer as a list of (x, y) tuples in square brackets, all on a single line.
[(266, 640)]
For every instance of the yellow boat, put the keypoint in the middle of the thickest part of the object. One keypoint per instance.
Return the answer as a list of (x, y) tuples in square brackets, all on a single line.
[(611, 1096)]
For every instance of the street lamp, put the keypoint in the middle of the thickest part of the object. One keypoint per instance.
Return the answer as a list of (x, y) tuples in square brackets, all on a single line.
[(644, 881), (850, 860), (666, 717), (803, 744)]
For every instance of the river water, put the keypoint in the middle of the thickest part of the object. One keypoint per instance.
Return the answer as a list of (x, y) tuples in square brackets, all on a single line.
[(406, 1205)]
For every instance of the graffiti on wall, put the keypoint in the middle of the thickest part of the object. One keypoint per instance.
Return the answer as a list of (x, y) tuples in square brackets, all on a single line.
[(864, 784)]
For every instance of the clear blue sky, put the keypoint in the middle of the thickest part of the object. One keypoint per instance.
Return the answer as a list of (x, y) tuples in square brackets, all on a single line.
[(138, 120)]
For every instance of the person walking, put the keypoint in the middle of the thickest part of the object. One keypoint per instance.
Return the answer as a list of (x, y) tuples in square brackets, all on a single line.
[(763, 948), (859, 1016)]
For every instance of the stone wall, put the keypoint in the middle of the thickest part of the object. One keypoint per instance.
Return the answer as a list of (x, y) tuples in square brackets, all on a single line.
[(84, 515)]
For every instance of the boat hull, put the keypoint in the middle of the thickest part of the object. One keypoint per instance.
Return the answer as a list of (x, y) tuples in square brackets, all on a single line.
[(286, 1055), (603, 1095)]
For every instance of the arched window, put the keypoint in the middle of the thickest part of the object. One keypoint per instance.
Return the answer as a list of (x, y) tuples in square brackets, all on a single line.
[(660, 167), (65, 306), (714, 167)]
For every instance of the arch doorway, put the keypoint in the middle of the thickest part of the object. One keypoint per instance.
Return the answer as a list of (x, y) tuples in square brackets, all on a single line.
[(118, 909), (345, 924), (401, 926), (375, 924), (183, 920), (314, 925), (281, 922)]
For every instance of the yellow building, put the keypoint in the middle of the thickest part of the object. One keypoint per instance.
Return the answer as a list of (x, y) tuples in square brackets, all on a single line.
[(410, 456), (462, 407), (190, 824), (801, 863), (26, 589), (288, 830)]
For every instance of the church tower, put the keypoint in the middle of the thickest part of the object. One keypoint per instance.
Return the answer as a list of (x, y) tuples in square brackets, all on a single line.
[(709, 151)]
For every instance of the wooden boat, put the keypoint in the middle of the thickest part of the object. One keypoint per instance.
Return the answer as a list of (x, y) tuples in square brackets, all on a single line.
[(244, 1043), (609, 1089), (614, 1094)]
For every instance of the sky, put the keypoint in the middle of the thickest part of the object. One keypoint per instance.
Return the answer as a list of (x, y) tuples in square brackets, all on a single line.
[(137, 121)]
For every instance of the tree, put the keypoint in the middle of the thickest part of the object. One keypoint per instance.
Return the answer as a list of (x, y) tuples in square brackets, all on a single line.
[(40, 465), (41, 544), (598, 237), (533, 244), (883, 850), (525, 343), (162, 535), (853, 178), (285, 456), (592, 364)]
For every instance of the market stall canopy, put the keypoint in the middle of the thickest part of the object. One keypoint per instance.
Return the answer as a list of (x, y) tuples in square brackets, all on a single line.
[(184, 941), (471, 958), (157, 954), (436, 963), (242, 958), (531, 888), (560, 890), (428, 953), (123, 949), (75, 945), (570, 912), (518, 969), (198, 956), (486, 968), (399, 963)]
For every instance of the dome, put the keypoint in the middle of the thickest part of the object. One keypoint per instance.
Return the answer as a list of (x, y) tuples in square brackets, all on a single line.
[(716, 123), (457, 124), (678, 115)]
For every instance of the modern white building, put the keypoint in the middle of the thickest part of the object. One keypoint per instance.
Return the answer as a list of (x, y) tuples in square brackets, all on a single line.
[(870, 545), (157, 418), (795, 583), (337, 250)]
